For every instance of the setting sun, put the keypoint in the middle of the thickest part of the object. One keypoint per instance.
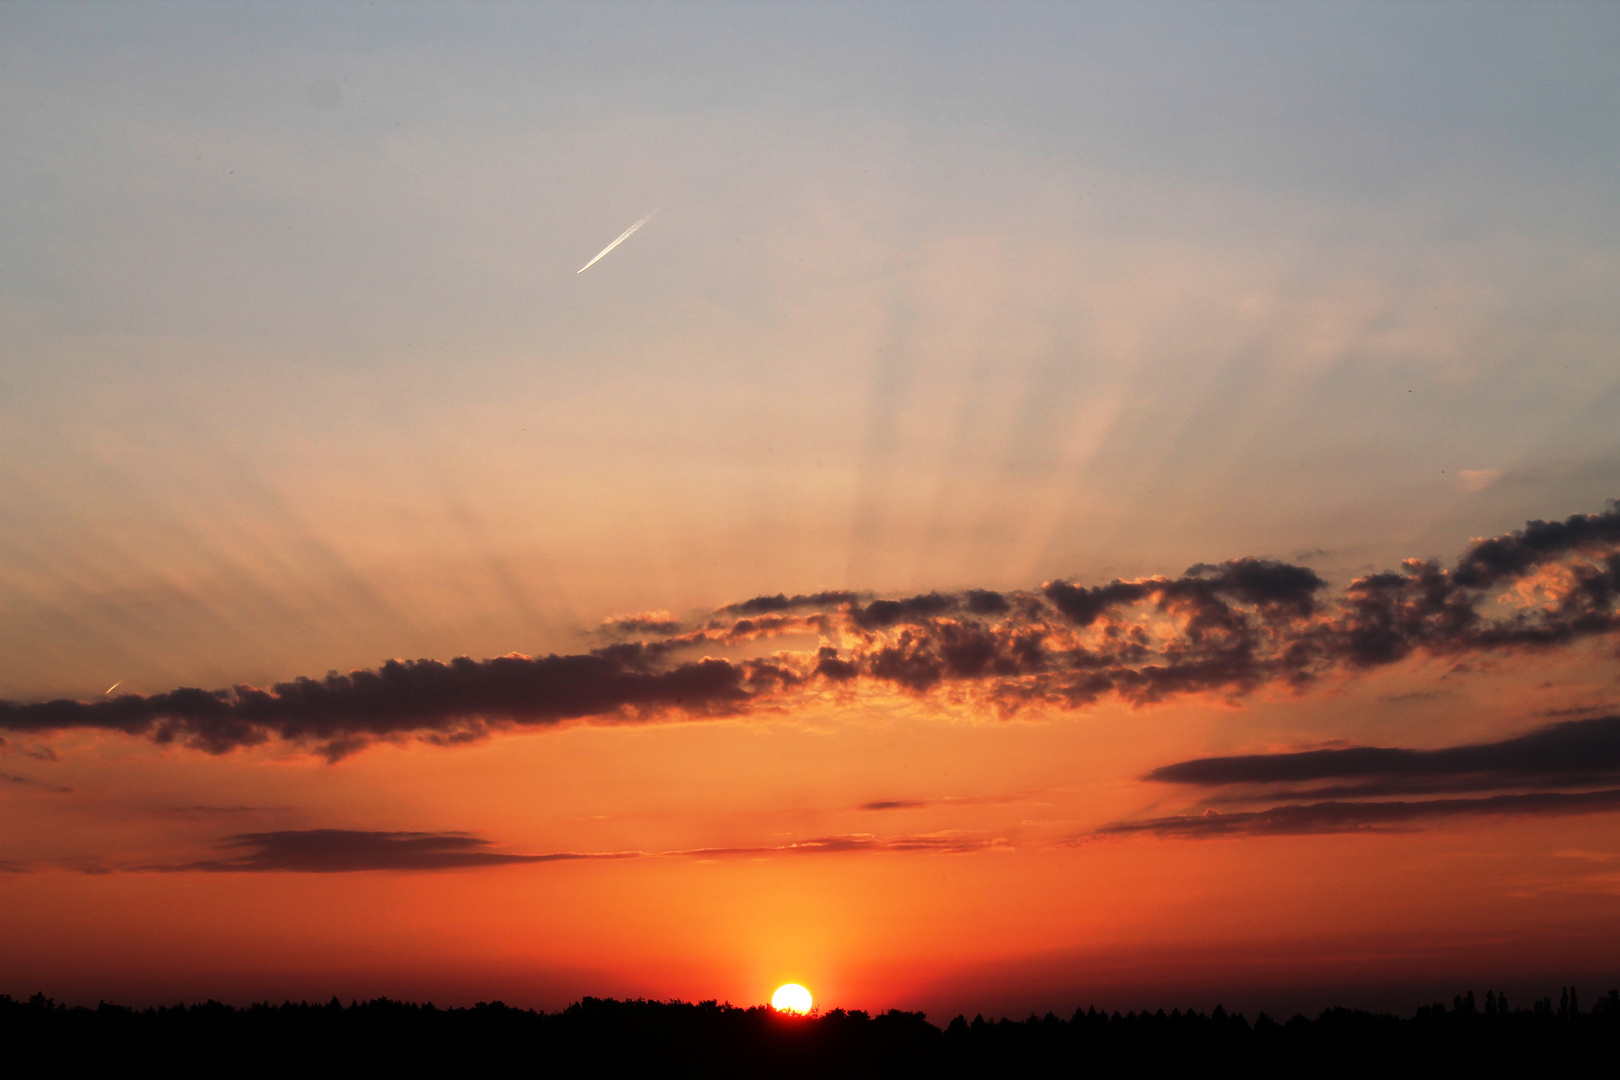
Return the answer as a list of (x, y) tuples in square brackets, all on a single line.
[(791, 998)]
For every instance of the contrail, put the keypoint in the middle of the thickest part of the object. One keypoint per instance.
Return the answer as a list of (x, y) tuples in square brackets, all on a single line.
[(622, 238), (113, 687)]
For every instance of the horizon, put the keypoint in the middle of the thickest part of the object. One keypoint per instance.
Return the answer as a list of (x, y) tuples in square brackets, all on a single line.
[(1491, 1003), (1033, 507)]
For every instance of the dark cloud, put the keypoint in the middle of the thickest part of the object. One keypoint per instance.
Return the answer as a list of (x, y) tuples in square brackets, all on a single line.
[(761, 605), (1343, 784), (29, 781), (882, 613), (449, 702), (651, 622), (341, 851), (1388, 616), (1490, 562), (945, 843), (1577, 710), (205, 810), (1085, 606), (1569, 753), (1224, 629), (1261, 582), (985, 602), (947, 800), (1342, 817), (829, 666)]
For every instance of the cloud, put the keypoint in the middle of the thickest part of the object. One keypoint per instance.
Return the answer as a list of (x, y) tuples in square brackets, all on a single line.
[(446, 702), (946, 843), (946, 800), (1343, 784), (1342, 817), (29, 781), (38, 753), (1488, 562), (1224, 629), (341, 851), (763, 605), (1578, 710), (207, 810), (659, 623), (1570, 753)]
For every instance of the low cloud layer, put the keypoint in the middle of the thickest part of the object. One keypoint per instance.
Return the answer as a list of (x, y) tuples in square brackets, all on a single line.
[(30, 782), (1575, 752), (1341, 790), (334, 851), (341, 851), (948, 843), (448, 702), (1342, 817), (1225, 629)]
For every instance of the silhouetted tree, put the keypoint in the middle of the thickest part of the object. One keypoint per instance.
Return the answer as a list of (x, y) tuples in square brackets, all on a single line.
[(606, 1038)]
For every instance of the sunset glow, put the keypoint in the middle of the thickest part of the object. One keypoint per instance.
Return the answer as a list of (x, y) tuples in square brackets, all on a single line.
[(1043, 506)]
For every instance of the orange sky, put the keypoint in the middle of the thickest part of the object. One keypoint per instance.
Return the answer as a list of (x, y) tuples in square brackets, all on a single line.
[(1068, 383), (1032, 910)]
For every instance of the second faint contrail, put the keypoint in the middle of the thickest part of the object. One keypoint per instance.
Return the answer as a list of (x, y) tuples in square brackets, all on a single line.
[(622, 238)]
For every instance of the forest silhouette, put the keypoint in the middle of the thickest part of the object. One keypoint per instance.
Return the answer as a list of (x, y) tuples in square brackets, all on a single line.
[(605, 1038)]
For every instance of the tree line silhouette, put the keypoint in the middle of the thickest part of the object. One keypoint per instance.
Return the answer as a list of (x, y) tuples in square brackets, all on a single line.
[(608, 1038)]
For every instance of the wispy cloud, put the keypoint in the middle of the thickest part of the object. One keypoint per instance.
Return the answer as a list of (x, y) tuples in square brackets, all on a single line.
[(29, 781), (338, 851), (342, 851), (656, 623), (945, 800), (952, 843), (205, 811)]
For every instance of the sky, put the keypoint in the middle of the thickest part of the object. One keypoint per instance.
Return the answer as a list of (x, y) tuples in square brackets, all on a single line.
[(1056, 505)]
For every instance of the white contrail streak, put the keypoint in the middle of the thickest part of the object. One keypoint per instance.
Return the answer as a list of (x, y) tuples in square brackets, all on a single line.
[(113, 687), (622, 238)]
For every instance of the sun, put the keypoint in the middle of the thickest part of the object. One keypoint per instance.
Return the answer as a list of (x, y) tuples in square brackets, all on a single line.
[(791, 998)]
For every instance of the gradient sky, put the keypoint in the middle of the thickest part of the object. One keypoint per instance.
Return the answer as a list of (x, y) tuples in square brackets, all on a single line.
[(988, 305)]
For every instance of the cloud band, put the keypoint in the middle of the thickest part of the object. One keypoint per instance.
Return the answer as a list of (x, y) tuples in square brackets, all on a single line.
[(1226, 629)]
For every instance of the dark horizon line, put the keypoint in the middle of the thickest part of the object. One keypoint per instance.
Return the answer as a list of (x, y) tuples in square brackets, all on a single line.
[(1465, 1003)]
